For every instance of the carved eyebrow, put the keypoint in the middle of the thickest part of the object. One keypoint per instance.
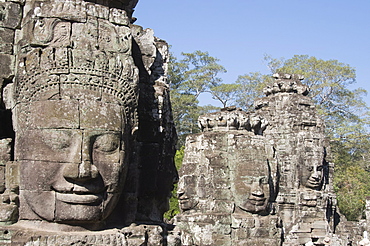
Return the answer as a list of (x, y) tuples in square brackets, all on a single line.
[(57, 139)]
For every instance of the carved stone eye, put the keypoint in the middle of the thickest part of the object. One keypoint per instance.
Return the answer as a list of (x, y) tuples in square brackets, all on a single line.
[(264, 180), (57, 139), (107, 142)]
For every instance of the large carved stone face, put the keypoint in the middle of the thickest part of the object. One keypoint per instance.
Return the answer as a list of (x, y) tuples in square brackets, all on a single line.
[(72, 159), (311, 176)]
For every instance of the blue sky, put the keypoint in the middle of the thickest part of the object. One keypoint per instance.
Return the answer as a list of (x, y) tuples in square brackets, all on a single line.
[(241, 32)]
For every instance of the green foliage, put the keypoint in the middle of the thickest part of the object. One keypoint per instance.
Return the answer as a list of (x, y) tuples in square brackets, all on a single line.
[(174, 204), (351, 177), (199, 73), (352, 186), (250, 87), (189, 77), (225, 93)]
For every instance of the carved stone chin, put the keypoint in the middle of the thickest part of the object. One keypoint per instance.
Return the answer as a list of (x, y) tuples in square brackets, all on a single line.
[(256, 203)]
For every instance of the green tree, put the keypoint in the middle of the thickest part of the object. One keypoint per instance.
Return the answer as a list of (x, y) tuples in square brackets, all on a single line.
[(174, 204), (194, 74), (200, 73), (225, 93), (250, 87)]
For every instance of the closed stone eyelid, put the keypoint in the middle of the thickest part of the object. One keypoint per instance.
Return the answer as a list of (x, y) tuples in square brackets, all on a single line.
[(110, 146)]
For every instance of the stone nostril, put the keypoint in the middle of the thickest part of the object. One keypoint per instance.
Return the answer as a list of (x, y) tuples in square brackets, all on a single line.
[(315, 175), (181, 195), (258, 193), (94, 172)]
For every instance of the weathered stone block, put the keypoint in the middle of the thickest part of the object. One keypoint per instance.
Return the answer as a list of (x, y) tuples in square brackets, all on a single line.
[(6, 40), (8, 213), (97, 10), (118, 16), (221, 240), (49, 145), (10, 15), (319, 224), (44, 200), (109, 115), (77, 212), (238, 234), (318, 233), (12, 176), (5, 150), (40, 182), (7, 66), (74, 10), (2, 178), (222, 206), (54, 114)]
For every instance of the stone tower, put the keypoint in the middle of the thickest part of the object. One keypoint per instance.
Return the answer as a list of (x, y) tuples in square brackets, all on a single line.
[(261, 177)]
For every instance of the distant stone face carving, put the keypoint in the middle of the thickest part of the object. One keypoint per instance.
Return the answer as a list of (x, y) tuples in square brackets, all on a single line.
[(257, 193), (187, 192), (311, 176), (251, 178), (312, 165), (72, 157)]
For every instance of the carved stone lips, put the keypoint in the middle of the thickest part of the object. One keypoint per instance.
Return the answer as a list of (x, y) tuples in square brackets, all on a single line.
[(78, 198), (77, 194), (257, 201), (313, 182)]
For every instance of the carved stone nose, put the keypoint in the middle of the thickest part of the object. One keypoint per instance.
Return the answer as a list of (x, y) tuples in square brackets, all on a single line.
[(315, 175), (87, 170), (181, 193), (82, 171)]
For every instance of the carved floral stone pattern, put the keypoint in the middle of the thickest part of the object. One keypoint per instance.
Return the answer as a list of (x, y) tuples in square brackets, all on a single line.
[(87, 143)]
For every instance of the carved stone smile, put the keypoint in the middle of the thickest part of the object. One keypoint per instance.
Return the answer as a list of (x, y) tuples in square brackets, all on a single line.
[(257, 201), (78, 198)]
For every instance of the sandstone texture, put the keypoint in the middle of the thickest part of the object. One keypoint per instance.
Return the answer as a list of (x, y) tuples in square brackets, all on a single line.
[(87, 143)]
